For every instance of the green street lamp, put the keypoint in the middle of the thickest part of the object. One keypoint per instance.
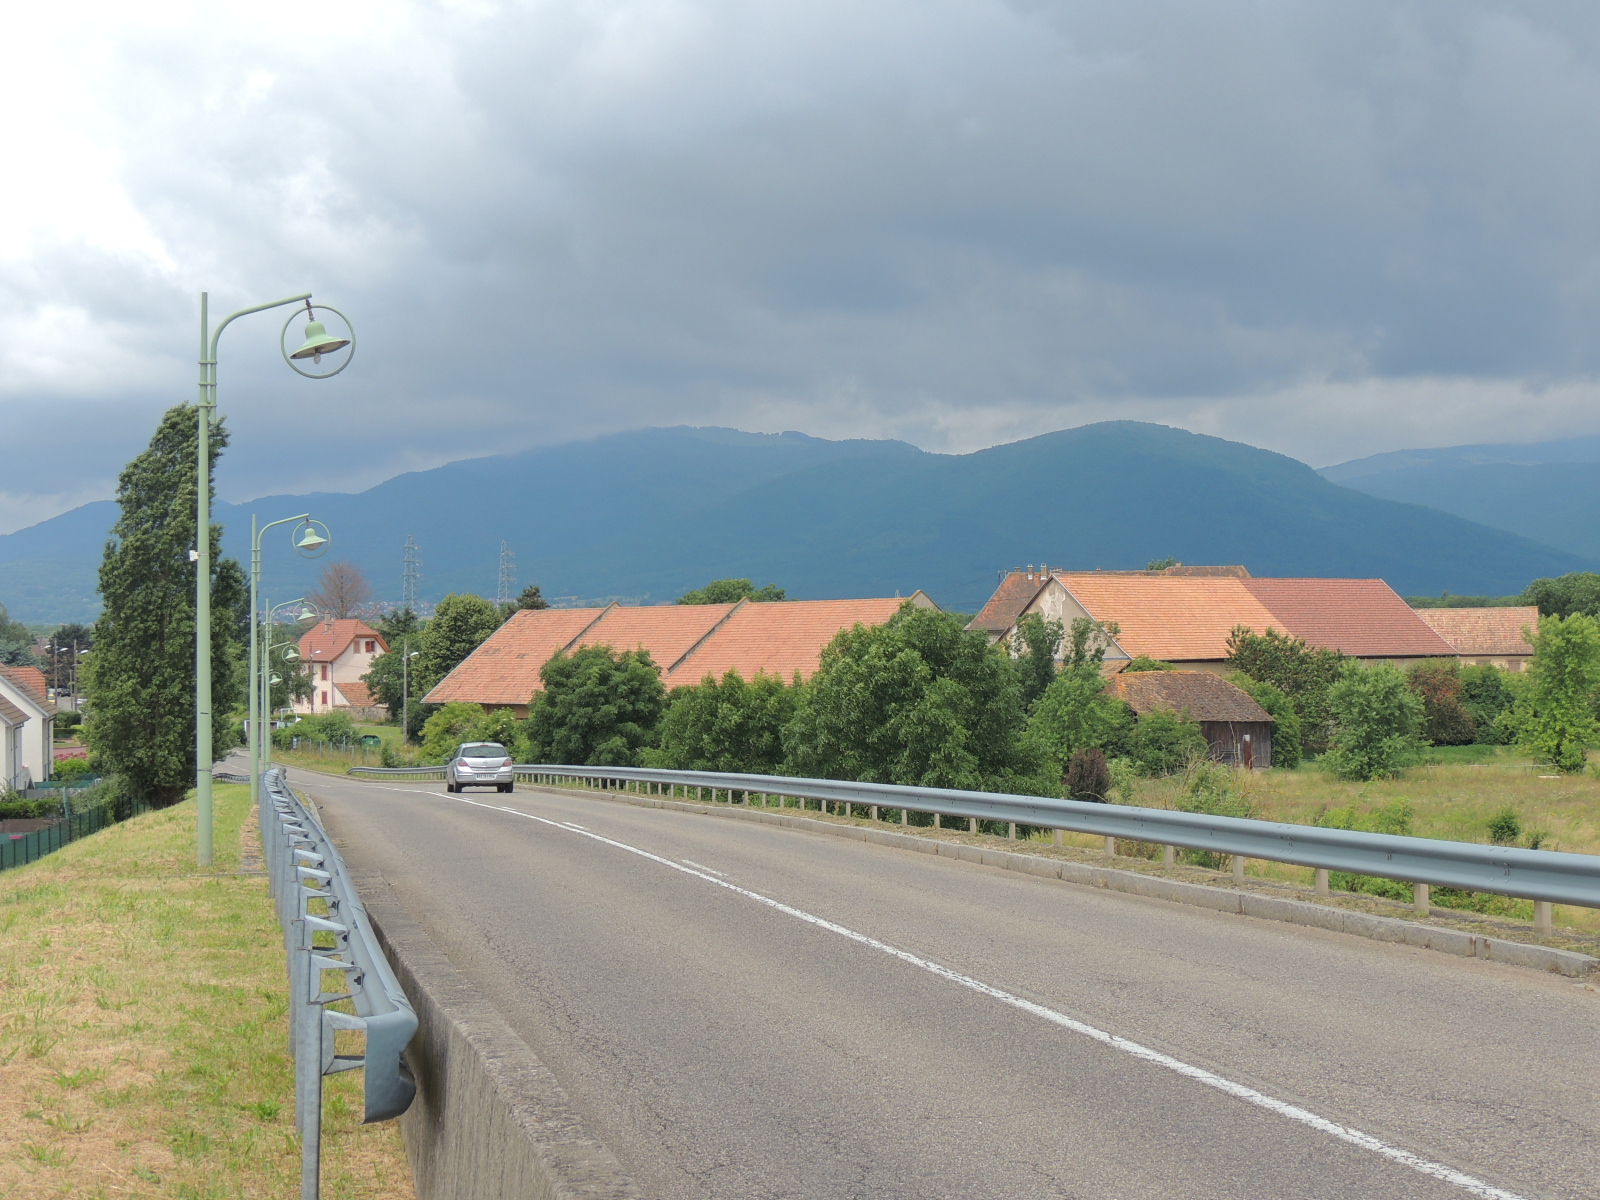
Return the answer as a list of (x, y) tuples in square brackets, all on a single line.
[(319, 342), (267, 677), (310, 544)]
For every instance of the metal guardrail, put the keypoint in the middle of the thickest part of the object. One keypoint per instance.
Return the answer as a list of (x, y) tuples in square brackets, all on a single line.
[(303, 867), (1546, 876)]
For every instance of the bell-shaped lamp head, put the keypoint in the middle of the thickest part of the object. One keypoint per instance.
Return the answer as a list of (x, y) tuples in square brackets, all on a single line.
[(311, 539), (274, 679), (307, 617), (290, 654), (319, 342)]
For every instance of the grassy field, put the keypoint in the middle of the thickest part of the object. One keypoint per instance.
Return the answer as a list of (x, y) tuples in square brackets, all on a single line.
[(142, 1028)]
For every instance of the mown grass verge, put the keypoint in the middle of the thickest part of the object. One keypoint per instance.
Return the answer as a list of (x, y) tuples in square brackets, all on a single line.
[(143, 1031)]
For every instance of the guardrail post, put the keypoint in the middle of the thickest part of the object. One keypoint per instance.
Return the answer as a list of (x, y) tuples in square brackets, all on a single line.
[(905, 816), (1238, 869), (1111, 847), (1419, 898), (1011, 830), (1060, 841), (972, 824), (1543, 918), (1322, 881), (1169, 856)]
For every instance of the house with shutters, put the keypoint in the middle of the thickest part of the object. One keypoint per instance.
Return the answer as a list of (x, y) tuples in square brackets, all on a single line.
[(337, 654), (27, 724), (688, 642)]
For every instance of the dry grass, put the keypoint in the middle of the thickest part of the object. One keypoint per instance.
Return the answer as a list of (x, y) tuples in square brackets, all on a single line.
[(143, 1032)]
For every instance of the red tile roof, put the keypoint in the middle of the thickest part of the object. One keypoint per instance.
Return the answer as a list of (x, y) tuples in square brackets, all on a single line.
[(667, 631), (505, 669), (326, 640), (1010, 600), (357, 695), (1362, 617), (687, 641), (1204, 696), (777, 637), (32, 681), (1478, 632), (1175, 618)]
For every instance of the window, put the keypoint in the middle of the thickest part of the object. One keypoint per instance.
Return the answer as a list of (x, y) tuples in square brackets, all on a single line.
[(324, 699), (371, 646), (324, 674)]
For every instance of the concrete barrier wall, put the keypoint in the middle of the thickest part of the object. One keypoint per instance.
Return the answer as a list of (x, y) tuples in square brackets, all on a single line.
[(489, 1122)]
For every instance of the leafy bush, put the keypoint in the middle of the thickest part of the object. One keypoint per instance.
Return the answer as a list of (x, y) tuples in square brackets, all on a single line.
[(1209, 787), (454, 723), (1445, 719), (14, 808), (1375, 719), (726, 725), (1075, 713), (67, 719), (1486, 694), (1505, 827), (72, 768), (1088, 777), (1143, 662), (598, 708), (330, 728), (1035, 645), (1554, 715), (1302, 673), (1164, 742)]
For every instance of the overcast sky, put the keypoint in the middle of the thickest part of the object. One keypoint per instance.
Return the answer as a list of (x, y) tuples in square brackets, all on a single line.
[(1327, 229)]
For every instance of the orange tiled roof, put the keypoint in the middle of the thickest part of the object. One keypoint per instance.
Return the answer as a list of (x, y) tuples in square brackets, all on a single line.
[(1204, 696), (326, 640), (32, 681), (505, 669), (1362, 617), (687, 641), (777, 637), (667, 631), (357, 695), (1175, 618), (1010, 600), (1483, 631)]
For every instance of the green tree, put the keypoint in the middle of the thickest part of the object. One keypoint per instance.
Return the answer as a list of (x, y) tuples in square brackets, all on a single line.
[(1486, 694), (530, 598), (1445, 720), (15, 642), (1161, 564), (449, 726), (1036, 644), (726, 725), (1286, 744), (1076, 713), (1578, 592), (1554, 715), (1143, 662), (1376, 720), (394, 627), (1088, 640), (730, 591), (1164, 742), (460, 623), (1300, 672), (598, 708), (919, 700), (140, 679)]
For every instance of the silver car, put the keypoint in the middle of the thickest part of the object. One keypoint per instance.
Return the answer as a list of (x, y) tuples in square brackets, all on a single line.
[(478, 764)]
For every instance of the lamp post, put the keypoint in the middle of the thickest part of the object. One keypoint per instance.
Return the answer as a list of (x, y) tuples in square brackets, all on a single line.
[(318, 342), (407, 654), (266, 679), (310, 544)]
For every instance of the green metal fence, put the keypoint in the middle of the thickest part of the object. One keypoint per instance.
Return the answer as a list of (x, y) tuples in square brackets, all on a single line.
[(19, 848)]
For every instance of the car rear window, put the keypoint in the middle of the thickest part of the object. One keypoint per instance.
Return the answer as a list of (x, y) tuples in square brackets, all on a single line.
[(483, 750)]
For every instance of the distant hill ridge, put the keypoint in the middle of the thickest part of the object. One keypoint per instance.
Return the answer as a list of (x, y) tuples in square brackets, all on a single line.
[(649, 514)]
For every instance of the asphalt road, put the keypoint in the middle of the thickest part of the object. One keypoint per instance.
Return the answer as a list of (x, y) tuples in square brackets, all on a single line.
[(744, 1012)]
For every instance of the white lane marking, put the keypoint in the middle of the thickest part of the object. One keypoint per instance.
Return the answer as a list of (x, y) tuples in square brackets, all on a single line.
[(700, 867), (1249, 1095), (575, 825)]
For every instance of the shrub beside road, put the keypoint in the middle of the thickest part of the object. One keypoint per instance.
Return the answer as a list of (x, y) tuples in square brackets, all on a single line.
[(143, 1031)]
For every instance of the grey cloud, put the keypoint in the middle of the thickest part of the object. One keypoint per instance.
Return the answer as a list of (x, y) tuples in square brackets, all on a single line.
[(944, 221)]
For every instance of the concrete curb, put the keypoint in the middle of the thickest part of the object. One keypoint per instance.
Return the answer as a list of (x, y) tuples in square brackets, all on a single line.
[(489, 1120), (1248, 904)]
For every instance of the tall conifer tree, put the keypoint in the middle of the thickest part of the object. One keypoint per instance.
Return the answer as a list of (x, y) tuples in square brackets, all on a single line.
[(140, 677)]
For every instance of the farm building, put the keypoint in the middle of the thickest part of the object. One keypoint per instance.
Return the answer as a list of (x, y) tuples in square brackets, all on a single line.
[(1238, 729), (687, 641), (1491, 636)]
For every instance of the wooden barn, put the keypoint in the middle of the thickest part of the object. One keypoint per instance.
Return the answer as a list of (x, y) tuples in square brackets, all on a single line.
[(1238, 729)]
